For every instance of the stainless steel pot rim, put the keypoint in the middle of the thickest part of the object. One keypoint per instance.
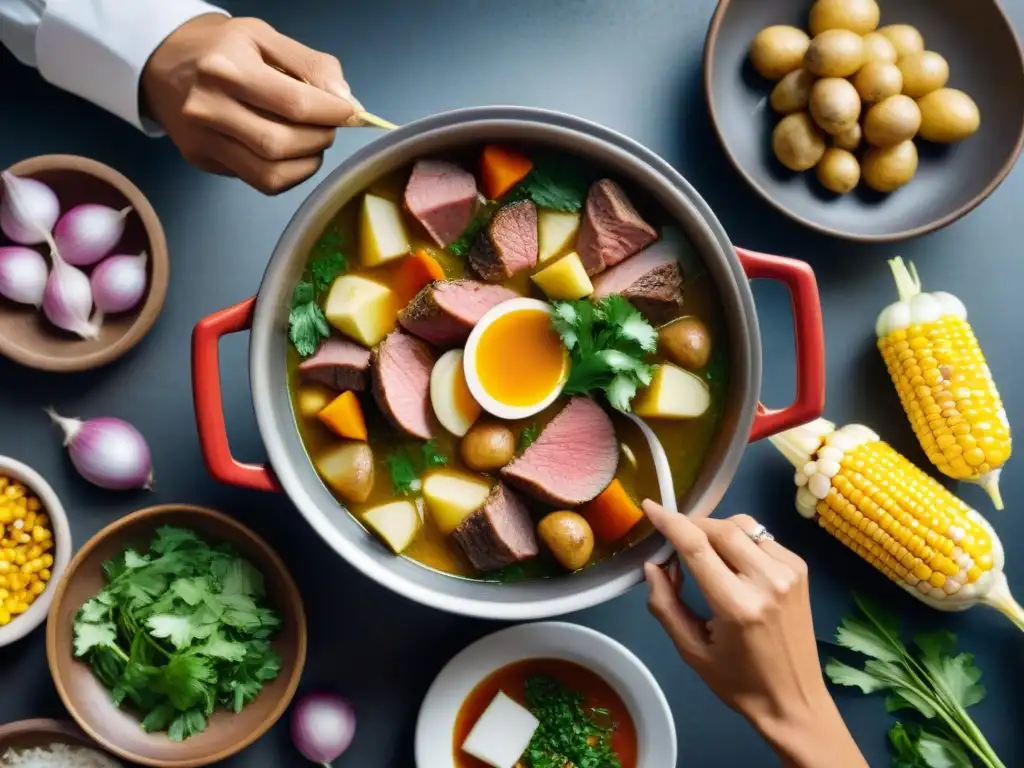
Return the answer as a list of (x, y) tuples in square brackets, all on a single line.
[(534, 600)]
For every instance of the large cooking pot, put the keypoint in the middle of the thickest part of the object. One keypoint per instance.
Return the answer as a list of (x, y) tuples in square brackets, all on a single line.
[(266, 317)]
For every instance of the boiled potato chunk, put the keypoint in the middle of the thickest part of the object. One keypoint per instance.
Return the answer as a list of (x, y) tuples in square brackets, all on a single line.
[(565, 280), (555, 230), (778, 50), (313, 398), (673, 394), (948, 115), (860, 16), (348, 469), (361, 309), (382, 234), (452, 496), (397, 524)]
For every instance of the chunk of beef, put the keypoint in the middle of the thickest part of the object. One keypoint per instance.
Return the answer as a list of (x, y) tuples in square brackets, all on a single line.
[(444, 312), (442, 197), (611, 230), (400, 367), (508, 244), (652, 280), (338, 364), (500, 533)]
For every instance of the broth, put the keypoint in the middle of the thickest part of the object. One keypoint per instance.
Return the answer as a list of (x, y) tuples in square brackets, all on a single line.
[(685, 441)]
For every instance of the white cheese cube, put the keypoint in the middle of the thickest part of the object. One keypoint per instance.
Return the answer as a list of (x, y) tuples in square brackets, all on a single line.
[(502, 734)]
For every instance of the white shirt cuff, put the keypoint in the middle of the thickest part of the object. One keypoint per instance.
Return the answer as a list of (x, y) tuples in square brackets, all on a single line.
[(97, 49)]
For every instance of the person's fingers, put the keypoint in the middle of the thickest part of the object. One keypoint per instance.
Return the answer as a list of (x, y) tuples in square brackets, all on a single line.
[(685, 629), (302, 62), (735, 547), (268, 138), (268, 176), (770, 547), (718, 583)]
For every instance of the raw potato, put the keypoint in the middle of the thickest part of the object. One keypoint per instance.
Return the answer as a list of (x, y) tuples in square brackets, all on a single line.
[(488, 446), (793, 92), (877, 81), (923, 73), (382, 234), (797, 142), (362, 309), (673, 394), (887, 168), (858, 16), (451, 497), (948, 115), (555, 230), (565, 280), (904, 38), (850, 138), (348, 469), (878, 47), (397, 523), (313, 398), (776, 51), (838, 171), (687, 342), (569, 537), (835, 105), (892, 121), (835, 53)]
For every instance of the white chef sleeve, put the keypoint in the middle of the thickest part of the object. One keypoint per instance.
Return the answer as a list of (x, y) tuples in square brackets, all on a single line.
[(96, 49)]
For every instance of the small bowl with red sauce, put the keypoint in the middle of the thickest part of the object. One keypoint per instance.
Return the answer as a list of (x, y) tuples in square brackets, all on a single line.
[(555, 674)]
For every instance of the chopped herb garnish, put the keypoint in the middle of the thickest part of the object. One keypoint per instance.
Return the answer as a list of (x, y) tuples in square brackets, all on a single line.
[(306, 322), (554, 183), (407, 464), (462, 246), (608, 343), (509, 574), (527, 436), (432, 455), (567, 734)]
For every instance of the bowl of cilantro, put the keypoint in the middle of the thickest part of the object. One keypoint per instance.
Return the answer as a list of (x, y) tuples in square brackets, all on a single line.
[(184, 622)]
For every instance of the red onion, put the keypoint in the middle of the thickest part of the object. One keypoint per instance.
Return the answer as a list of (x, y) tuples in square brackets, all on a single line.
[(323, 726), (119, 283), (107, 452), (87, 233), (22, 275), (67, 299), (28, 211)]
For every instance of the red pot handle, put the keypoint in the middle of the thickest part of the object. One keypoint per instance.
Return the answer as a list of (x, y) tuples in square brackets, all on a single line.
[(206, 395), (810, 341)]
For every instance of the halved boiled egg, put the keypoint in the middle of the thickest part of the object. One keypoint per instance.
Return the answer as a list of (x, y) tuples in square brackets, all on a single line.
[(450, 397), (515, 362)]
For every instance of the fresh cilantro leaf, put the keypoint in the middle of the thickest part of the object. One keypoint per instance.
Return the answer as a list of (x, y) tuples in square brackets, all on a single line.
[(324, 269), (133, 559), (628, 322), (91, 636), (168, 539), (407, 464), (621, 391), (93, 612), (554, 183), (159, 718), (219, 647), (464, 243), (184, 680), (186, 724), (242, 579), (510, 574), (843, 674), (859, 636), (527, 436), (566, 734), (917, 747), (432, 455), (177, 629), (306, 327)]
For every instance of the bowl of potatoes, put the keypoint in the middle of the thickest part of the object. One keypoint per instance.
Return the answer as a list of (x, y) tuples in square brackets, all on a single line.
[(870, 120)]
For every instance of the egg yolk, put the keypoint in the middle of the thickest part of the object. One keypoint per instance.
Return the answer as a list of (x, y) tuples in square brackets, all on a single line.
[(520, 360)]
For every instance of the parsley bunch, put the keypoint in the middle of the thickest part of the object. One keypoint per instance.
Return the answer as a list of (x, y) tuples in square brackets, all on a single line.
[(608, 343), (179, 630), (567, 735), (306, 322), (936, 681)]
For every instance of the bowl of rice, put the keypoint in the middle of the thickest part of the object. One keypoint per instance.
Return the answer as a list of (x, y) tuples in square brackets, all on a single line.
[(49, 744)]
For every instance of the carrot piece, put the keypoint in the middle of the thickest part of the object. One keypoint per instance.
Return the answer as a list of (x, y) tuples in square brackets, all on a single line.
[(416, 271), (344, 416), (501, 169), (613, 513)]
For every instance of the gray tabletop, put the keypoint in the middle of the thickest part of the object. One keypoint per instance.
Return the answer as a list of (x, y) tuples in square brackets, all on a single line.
[(633, 66)]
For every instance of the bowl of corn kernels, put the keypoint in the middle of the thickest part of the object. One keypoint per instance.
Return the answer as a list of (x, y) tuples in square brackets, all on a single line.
[(35, 546)]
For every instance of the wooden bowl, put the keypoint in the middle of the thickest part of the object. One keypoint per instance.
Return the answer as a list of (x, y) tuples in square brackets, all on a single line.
[(26, 336), (26, 734), (985, 61), (118, 730)]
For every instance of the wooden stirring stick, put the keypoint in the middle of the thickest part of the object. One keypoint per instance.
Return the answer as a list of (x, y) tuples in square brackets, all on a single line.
[(378, 122)]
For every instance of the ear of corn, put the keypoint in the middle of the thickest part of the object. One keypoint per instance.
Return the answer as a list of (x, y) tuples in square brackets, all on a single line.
[(944, 382), (897, 517)]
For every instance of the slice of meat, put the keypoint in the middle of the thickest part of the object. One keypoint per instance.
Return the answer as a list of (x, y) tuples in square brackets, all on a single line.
[(444, 312), (338, 364), (611, 230), (500, 533), (442, 197), (652, 280), (508, 244), (572, 461), (400, 368)]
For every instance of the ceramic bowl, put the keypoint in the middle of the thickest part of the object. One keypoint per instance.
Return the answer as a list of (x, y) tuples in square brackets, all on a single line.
[(36, 613), (88, 702), (26, 336), (609, 659), (985, 61), (26, 734)]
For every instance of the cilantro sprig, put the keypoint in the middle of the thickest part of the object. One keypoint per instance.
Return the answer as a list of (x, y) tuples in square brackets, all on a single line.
[(306, 322), (179, 630), (935, 680), (567, 734), (530, 433), (608, 344), (554, 183), (408, 463)]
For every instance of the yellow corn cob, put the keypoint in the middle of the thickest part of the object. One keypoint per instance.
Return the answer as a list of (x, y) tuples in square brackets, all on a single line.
[(897, 517), (944, 382)]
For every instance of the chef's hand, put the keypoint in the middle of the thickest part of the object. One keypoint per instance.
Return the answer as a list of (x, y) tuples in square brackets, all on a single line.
[(240, 99), (757, 651)]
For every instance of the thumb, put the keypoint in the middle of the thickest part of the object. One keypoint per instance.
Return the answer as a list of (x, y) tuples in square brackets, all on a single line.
[(681, 624)]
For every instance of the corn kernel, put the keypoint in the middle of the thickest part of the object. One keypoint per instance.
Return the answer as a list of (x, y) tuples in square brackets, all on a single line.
[(37, 588), (5, 617), (45, 574), (47, 560)]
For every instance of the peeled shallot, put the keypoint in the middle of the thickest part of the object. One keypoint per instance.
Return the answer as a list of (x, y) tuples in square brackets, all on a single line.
[(28, 210), (87, 233), (22, 275), (107, 452)]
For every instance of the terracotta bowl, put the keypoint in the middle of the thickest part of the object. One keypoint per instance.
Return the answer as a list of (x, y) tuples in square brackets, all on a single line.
[(88, 702), (26, 336), (26, 734)]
